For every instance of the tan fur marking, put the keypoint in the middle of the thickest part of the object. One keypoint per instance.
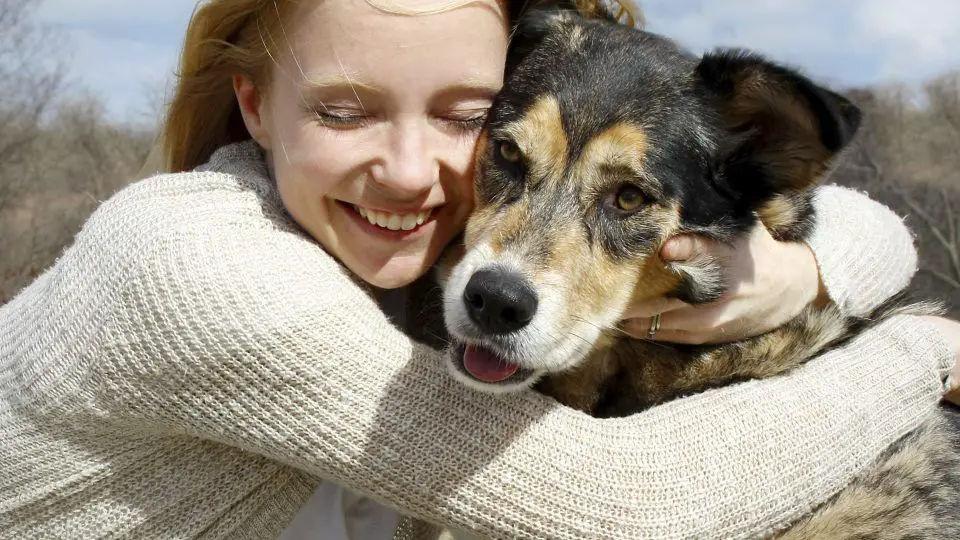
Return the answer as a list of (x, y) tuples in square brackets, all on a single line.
[(622, 145), (510, 226), (602, 282), (779, 214), (576, 38), (655, 279), (480, 221), (542, 139)]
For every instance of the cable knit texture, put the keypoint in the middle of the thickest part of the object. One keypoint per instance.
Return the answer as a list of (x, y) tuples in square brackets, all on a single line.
[(194, 364)]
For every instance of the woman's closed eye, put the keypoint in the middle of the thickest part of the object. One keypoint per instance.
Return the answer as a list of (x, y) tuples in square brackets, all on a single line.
[(341, 117), (465, 120)]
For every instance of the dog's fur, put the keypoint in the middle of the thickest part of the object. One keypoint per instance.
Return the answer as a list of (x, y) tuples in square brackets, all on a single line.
[(607, 141)]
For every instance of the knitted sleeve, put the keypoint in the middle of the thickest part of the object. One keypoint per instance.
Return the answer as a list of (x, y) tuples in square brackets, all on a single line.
[(246, 333), (864, 250)]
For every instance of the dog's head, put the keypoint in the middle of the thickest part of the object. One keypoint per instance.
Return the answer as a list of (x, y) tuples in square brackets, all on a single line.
[(605, 142)]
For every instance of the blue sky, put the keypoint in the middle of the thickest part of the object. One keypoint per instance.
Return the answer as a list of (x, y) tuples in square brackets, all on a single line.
[(124, 50)]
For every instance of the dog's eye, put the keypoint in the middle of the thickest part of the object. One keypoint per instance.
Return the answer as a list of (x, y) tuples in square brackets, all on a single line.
[(629, 198), (509, 152)]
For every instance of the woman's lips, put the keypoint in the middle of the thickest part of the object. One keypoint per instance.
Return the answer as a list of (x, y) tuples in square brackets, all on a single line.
[(389, 225)]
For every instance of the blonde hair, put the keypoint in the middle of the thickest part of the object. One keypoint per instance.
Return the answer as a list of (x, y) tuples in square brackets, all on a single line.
[(230, 37)]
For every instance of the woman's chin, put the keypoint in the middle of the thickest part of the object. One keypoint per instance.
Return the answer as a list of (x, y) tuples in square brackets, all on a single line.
[(395, 272)]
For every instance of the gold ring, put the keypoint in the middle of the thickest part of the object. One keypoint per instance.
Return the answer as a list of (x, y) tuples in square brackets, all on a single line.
[(654, 326)]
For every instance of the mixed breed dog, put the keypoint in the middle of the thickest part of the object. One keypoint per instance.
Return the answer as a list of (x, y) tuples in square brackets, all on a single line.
[(607, 140)]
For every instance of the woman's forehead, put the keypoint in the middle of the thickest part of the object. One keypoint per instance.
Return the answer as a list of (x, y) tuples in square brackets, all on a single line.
[(400, 23), (354, 38)]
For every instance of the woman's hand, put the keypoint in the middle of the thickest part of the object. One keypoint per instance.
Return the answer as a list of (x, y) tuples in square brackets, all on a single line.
[(770, 282), (950, 330)]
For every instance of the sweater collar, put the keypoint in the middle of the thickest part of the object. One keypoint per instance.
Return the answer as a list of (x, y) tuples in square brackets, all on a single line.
[(240, 158)]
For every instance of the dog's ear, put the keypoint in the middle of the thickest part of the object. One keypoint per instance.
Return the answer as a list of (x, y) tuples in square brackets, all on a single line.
[(534, 25), (784, 130)]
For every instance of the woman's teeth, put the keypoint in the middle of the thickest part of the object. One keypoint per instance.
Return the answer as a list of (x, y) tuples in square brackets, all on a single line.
[(394, 222)]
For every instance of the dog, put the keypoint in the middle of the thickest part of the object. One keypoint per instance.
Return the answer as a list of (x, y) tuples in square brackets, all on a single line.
[(608, 140)]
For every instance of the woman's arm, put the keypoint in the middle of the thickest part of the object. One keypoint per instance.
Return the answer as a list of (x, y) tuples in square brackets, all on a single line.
[(250, 335), (864, 251)]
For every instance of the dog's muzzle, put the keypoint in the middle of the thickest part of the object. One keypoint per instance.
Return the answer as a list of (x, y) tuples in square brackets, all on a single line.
[(499, 303)]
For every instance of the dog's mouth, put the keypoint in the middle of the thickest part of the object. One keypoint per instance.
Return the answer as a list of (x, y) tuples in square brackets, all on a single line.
[(485, 366)]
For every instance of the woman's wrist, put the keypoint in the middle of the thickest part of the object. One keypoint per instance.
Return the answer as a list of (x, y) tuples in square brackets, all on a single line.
[(818, 295), (950, 332)]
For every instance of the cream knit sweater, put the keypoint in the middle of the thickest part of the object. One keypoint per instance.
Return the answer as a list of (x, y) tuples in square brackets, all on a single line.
[(194, 363)]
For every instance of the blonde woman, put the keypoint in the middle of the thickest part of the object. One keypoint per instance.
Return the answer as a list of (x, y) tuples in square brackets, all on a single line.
[(217, 355)]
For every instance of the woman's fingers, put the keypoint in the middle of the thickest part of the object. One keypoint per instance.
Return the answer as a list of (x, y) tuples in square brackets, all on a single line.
[(689, 325), (649, 308), (638, 327), (684, 247)]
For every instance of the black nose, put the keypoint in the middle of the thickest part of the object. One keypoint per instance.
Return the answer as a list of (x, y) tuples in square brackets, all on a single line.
[(499, 301)]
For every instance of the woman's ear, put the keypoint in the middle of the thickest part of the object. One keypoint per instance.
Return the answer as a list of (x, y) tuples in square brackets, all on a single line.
[(251, 104)]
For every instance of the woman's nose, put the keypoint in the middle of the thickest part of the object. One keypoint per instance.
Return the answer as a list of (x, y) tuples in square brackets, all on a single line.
[(410, 167)]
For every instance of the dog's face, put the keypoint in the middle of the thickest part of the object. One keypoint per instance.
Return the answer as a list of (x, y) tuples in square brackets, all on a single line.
[(604, 143)]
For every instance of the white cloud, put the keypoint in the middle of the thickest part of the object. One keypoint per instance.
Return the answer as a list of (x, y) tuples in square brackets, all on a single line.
[(120, 47), (849, 41), (912, 40)]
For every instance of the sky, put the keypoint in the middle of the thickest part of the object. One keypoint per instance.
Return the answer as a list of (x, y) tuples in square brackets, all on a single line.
[(125, 50)]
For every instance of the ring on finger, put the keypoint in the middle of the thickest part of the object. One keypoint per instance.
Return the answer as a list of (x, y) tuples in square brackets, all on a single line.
[(654, 326)]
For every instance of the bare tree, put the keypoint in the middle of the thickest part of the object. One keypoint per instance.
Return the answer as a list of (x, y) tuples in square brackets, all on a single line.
[(59, 158), (907, 155), (29, 82)]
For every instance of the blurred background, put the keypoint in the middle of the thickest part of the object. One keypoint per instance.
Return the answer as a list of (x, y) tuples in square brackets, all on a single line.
[(83, 83)]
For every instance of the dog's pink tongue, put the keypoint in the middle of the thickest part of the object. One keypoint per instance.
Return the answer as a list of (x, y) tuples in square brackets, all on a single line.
[(486, 367)]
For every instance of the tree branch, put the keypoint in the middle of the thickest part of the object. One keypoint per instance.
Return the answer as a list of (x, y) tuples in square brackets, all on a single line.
[(942, 277)]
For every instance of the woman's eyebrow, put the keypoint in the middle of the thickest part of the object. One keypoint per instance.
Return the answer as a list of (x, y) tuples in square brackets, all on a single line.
[(479, 87), (337, 81), (473, 88), (468, 89)]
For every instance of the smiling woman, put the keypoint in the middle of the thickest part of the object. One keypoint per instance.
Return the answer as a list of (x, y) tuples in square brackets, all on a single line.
[(371, 158), (355, 139)]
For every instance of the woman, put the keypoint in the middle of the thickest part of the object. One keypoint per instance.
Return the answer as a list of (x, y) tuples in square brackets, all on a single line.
[(210, 359)]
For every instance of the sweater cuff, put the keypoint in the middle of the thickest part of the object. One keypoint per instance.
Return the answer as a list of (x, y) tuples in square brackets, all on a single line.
[(864, 250), (916, 337)]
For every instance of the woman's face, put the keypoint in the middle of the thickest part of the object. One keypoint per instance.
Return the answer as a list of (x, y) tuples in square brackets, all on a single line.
[(370, 121)]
